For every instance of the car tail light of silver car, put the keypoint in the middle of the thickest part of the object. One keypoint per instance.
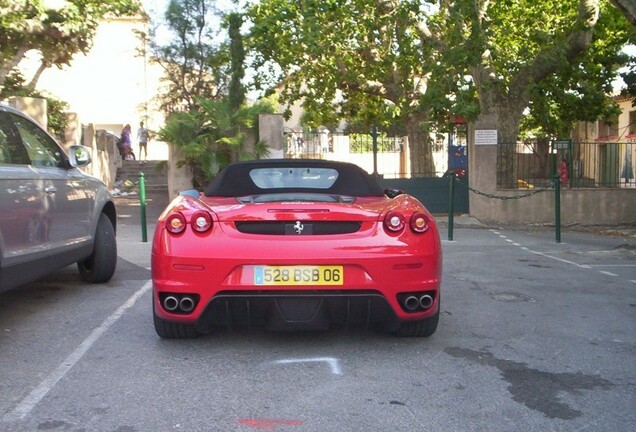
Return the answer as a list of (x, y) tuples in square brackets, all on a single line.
[(201, 221), (419, 222), (394, 222)]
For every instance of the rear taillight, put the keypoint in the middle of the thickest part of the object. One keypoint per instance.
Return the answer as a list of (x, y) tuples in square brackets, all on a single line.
[(201, 221), (419, 222), (175, 223), (394, 222)]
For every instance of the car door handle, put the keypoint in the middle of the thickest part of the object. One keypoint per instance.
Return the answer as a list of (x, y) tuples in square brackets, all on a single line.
[(50, 190)]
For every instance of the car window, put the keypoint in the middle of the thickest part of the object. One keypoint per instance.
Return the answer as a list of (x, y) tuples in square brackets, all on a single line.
[(11, 149), (5, 157), (42, 150), (288, 177)]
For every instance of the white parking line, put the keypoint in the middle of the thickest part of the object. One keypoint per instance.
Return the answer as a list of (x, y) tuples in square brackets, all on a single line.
[(333, 363), (585, 266), (32, 399)]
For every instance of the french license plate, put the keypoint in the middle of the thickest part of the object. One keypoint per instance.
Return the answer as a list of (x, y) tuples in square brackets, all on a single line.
[(298, 275)]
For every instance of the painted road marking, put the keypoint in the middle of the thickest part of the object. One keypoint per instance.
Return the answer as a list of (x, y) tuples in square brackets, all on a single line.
[(32, 399), (332, 362), (585, 266), (269, 424)]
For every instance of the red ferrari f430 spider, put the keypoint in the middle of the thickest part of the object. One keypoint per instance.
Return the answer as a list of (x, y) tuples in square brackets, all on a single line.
[(295, 244)]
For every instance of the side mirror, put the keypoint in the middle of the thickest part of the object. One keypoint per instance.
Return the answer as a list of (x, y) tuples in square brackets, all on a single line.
[(392, 193), (79, 156)]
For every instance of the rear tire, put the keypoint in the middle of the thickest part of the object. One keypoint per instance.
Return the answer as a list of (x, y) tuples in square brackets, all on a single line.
[(421, 328), (100, 266), (171, 330)]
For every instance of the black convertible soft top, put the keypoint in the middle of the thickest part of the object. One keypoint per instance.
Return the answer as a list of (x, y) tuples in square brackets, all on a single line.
[(235, 180)]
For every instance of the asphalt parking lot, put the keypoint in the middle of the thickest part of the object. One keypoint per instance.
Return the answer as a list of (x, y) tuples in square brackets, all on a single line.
[(533, 336)]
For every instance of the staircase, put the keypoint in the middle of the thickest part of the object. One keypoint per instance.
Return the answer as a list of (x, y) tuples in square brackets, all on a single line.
[(156, 179)]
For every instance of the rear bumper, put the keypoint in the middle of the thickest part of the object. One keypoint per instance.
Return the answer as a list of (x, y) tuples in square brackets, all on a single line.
[(297, 311)]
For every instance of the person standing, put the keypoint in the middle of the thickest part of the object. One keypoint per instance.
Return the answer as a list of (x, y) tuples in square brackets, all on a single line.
[(563, 172), (125, 144), (142, 138)]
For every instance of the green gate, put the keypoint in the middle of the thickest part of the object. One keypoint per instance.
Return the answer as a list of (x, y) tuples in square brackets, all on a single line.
[(434, 192)]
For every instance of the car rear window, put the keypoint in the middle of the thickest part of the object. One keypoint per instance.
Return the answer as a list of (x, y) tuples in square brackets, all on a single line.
[(278, 176), (290, 177)]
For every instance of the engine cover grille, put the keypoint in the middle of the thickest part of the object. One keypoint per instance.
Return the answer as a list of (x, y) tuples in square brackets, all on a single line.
[(297, 228)]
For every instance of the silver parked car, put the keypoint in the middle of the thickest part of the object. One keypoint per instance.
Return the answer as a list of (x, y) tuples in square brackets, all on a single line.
[(51, 213)]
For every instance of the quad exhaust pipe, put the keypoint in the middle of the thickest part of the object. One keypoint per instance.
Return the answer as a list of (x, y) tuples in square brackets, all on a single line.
[(179, 304), (411, 303), (186, 304), (426, 301), (416, 302), (171, 303)]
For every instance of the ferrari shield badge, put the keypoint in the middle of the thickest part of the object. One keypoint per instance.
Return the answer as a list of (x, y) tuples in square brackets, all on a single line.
[(299, 227)]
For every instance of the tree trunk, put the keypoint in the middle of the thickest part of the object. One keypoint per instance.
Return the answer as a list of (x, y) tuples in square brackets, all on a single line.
[(421, 148), (507, 111), (507, 105), (7, 65), (508, 120), (36, 76)]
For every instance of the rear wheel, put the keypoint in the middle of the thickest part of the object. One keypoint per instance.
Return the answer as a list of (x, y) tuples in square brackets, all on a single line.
[(100, 266), (421, 328), (171, 330)]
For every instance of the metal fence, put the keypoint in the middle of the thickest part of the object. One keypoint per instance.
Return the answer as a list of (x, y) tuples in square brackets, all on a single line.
[(391, 157), (577, 164)]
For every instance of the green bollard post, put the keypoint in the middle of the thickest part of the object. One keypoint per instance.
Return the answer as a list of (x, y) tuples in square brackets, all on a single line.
[(557, 207), (142, 202), (451, 207)]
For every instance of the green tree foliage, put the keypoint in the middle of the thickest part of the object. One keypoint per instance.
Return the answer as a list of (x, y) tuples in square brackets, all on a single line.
[(57, 34), (194, 65), (628, 8), (213, 135), (554, 56), (205, 80), (579, 90), (552, 52), (428, 60), (629, 77), (362, 60), (237, 64)]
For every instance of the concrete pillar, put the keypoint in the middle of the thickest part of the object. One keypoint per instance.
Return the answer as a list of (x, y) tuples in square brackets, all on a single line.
[(179, 178), (270, 130), (482, 165), (35, 108), (73, 131)]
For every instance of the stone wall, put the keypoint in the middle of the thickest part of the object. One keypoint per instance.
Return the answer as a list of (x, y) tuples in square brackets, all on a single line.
[(270, 131), (179, 178), (33, 107), (598, 206)]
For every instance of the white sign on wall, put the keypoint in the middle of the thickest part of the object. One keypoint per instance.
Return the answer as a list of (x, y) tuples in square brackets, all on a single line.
[(486, 137)]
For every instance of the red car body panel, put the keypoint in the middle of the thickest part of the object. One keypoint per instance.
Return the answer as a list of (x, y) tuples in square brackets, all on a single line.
[(223, 259)]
